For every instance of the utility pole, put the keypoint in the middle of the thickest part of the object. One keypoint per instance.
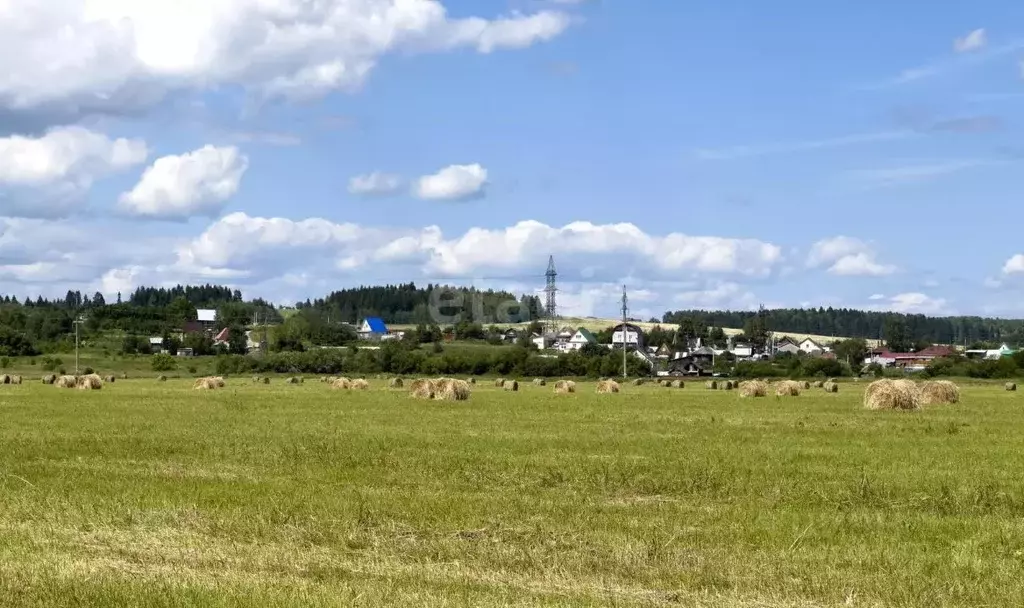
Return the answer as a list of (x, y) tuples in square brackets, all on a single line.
[(78, 321), (551, 291), (625, 330)]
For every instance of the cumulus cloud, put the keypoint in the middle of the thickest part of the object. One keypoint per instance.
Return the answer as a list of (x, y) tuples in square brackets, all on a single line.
[(847, 256), (47, 176), (374, 184), (971, 42), (181, 186), (454, 182), (236, 241), (913, 303), (72, 55), (1014, 265)]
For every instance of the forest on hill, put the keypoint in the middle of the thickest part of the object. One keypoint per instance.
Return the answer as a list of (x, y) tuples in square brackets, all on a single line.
[(849, 323)]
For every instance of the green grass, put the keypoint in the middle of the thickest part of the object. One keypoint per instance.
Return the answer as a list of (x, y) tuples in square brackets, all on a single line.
[(152, 494)]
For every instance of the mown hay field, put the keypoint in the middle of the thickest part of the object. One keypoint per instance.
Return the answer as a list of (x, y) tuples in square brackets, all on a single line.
[(153, 494)]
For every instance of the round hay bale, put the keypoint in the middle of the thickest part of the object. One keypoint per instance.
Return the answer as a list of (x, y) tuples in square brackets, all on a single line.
[(293, 380), (565, 387), (1010, 386), (499, 383), (266, 380), (888, 394), (421, 389), (663, 382), (471, 381), (676, 384), (805, 385), (728, 385), (510, 385), (607, 387), (255, 379), (711, 385), (341, 383), (819, 384), (540, 382), (5, 379), (205, 384), (49, 379), (939, 392), (450, 389), (16, 379), (360, 385), (89, 382), (124, 375), (638, 382), (161, 378), (109, 379), (753, 388), (66, 382), (395, 383), (830, 387), (219, 381), (787, 388)]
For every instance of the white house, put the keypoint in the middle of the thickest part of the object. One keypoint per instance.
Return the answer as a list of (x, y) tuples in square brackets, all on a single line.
[(156, 345), (810, 347), (542, 342), (627, 333), (372, 328), (581, 338), (207, 317)]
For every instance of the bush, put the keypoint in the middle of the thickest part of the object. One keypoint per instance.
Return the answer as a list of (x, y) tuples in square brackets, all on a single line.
[(88, 371), (192, 369), (164, 363), (52, 363), (5, 362)]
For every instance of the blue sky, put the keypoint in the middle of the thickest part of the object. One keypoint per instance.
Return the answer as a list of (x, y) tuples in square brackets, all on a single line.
[(705, 154)]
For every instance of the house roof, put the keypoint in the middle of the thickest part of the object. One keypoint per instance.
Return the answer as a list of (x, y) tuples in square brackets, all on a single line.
[(206, 315), (223, 335), (587, 335), (936, 350), (156, 340), (816, 345), (703, 350), (376, 325)]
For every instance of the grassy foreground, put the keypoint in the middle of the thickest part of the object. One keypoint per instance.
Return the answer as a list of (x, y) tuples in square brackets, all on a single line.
[(151, 494)]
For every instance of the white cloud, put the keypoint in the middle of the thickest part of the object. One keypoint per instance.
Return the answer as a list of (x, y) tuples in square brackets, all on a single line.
[(454, 182), (47, 176), (376, 183), (88, 54), (242, 244), (718, 296), (847, 256), (1014, 265), (907, 174), (971, 42), (196, 183), (914, 303), (877, 296)]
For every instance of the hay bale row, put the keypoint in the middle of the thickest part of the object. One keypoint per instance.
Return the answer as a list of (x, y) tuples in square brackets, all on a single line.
[(754, 388), (606, 387), (565, 387), (888, 394), (788, 388), (441, 389)]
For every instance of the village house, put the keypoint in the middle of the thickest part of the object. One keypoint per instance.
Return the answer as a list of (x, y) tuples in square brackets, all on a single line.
[(629, 334), (787, 345), (372, 328), (581, 338), (810, 347)]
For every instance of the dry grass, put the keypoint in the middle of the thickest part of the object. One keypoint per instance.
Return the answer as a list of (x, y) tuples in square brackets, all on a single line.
[(565, 387), (934, 392), (606, 387), (788, 388), (888, 394), (754, 388)]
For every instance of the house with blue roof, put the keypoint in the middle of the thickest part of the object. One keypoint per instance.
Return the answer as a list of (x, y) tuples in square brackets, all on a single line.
[(372, 328)]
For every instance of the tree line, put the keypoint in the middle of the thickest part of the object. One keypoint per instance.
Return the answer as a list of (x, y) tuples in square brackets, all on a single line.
[(907, 330)]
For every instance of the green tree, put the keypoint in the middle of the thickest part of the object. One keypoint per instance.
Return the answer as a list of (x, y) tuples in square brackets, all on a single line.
[(237, 341), (181, 310), (854, 350), (897, 337), (163, 362)]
